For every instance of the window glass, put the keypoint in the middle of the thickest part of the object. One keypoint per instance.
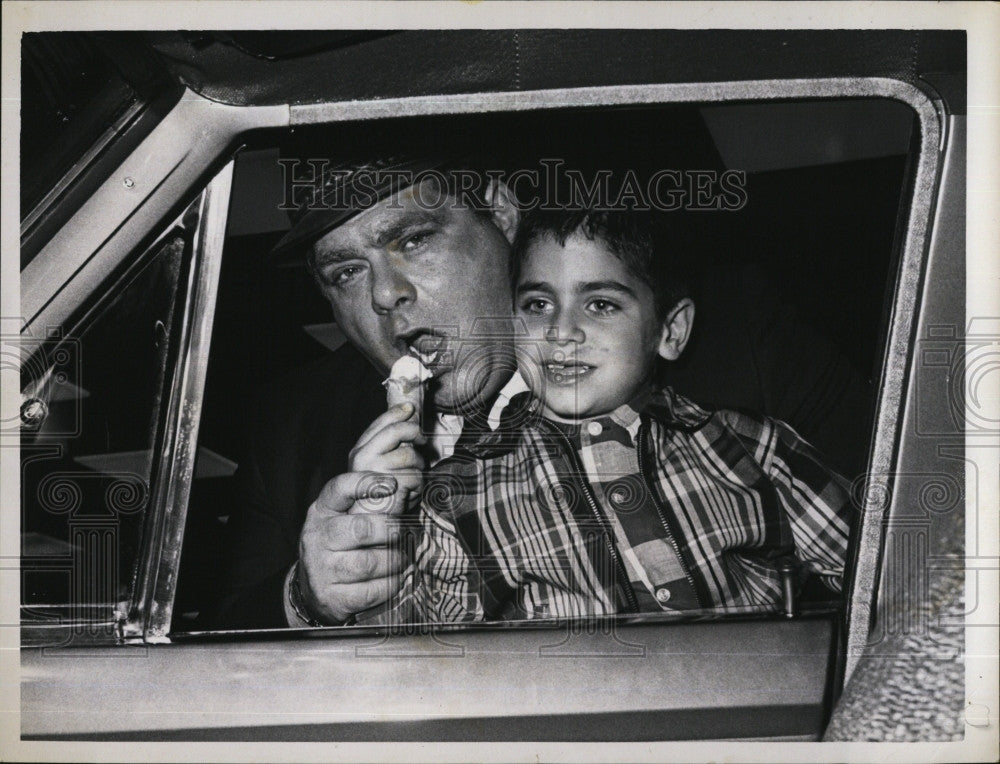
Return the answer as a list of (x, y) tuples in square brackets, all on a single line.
[(92, 403), (787, 228)]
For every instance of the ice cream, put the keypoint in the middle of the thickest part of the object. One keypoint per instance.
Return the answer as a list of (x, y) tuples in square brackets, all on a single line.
[(406, 382)]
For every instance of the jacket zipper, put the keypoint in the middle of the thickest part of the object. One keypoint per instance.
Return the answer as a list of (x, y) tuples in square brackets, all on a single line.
[(631, 601), (671, 534)]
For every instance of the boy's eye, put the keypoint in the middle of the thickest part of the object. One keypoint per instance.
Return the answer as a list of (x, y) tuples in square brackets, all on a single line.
[(602, 307), (536, 306)]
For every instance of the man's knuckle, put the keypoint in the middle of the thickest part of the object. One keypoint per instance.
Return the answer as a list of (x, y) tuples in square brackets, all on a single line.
[(362, 528), (331, 495), (337, 568), (360, 599), (368, 564), (376, 591), (364, 463), (410, 479), (333, 533)]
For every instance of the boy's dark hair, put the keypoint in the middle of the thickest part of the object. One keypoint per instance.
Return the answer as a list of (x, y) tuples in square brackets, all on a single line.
[(635, 238)]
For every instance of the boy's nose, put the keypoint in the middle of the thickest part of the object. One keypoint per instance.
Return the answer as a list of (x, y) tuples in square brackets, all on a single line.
[(564, 331)]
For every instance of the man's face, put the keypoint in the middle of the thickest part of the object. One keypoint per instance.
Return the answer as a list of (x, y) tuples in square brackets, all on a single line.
[(593, 325), (408, 277)]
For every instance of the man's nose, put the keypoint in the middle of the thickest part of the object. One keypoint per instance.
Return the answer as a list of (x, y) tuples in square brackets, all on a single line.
[(566, 329), (390, 288)]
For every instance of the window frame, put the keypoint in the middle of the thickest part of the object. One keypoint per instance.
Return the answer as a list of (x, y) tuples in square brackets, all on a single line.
[(192, 225), (152, 600), (152, 617)]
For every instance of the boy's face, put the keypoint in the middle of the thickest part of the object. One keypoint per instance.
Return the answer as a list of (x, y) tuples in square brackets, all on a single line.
[(594, 326)]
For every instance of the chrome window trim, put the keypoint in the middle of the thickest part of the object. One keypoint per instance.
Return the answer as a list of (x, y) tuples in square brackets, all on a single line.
[(77, 168), (619, 95), (153, 600)]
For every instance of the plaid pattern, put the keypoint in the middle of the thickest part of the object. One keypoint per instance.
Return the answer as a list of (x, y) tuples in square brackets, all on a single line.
[(661, 505)]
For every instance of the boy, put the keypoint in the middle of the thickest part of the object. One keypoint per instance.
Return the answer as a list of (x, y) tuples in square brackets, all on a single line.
[(600, 493)]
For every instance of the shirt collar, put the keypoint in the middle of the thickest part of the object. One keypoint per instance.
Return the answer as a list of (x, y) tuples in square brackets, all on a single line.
[(628, 414), (515, 386), (626, 417), (658, 403), (448, 427), (661, 404)]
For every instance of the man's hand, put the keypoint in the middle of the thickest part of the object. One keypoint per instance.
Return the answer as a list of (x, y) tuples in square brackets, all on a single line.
[(347, 561), (387, 447)]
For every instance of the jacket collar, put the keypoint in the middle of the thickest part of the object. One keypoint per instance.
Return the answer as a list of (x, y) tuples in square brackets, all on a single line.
[(675, 411)]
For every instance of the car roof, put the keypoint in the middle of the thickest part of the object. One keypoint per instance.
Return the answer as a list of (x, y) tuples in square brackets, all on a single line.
[(267, 68)]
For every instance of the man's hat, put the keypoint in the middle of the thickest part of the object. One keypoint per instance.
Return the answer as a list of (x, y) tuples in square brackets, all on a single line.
[(340, 192)]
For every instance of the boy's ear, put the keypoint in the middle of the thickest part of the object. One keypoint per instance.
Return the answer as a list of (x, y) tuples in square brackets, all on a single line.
[(676, 330), (504, 209)]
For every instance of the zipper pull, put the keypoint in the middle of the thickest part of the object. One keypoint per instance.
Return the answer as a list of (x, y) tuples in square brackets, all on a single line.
[(788, 568)]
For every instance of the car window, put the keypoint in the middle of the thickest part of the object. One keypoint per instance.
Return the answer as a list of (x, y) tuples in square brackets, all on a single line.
[(92, 408), (793, 272)]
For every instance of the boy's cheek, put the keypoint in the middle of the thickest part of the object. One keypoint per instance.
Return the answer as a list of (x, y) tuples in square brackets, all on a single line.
[(536, 325)]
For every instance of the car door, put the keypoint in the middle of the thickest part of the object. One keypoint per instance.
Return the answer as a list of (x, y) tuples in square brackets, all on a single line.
[(639, 678)]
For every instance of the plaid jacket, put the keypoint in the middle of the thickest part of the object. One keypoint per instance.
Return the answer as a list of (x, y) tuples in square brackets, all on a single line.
[(661, 505)]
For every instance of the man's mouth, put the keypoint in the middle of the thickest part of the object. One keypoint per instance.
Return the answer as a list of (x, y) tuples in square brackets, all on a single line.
[(430, 348)]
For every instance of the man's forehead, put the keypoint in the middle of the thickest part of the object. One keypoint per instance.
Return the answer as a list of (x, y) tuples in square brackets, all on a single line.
[(406, 203), (342, 192), (384, 219)]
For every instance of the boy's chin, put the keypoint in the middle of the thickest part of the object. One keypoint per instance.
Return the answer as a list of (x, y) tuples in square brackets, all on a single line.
[(575, 411)]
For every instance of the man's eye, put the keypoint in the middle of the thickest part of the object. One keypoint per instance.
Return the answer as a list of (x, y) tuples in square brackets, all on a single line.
[(536, 305), (603, 307), (414, 240), (345, 275)]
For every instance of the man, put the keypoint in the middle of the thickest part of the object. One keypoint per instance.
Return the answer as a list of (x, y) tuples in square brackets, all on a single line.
[(422, 268)]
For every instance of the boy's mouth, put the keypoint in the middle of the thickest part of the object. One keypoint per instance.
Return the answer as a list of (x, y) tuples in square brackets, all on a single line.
[(566, 371)]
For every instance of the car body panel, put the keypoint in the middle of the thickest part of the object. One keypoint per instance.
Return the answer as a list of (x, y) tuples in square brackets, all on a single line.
[(367, 687)]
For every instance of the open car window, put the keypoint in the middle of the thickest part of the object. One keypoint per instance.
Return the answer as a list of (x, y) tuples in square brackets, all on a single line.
[(793, 253)]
